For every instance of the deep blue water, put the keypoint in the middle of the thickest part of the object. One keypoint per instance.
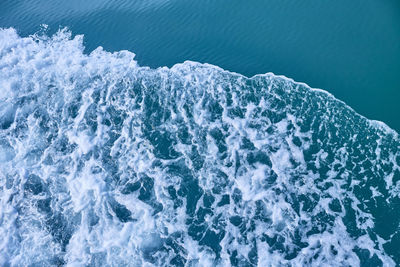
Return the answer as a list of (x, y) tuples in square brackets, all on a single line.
[(104, 161), (350, 48)]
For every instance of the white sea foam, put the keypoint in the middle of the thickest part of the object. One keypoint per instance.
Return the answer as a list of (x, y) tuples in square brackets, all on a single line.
[(104, 162)]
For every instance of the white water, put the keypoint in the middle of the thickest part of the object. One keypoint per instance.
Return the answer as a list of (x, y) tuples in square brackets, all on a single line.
[(76, 132)]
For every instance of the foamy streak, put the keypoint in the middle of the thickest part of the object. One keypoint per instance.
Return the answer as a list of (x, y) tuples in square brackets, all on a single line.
[(105, 162)]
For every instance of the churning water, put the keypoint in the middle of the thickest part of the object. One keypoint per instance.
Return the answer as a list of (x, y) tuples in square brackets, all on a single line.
[(106, 162)]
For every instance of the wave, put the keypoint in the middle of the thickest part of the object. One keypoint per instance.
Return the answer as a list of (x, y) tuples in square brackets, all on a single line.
[(103, 161)]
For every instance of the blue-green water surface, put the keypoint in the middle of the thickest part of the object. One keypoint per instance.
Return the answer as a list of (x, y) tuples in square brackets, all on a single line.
[(107, 162), (350, 48)]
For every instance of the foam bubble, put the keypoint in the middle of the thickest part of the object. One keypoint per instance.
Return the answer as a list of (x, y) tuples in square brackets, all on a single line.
[(106, 162)]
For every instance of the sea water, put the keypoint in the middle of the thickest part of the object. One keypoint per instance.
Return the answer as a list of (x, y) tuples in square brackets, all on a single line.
[(107, 162), (349, 48), (104, 161)]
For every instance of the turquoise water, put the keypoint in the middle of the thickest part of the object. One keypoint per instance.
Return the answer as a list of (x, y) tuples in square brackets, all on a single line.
[(350, 48), (104, 161)]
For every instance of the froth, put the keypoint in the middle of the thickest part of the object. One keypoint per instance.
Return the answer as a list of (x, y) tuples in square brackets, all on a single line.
[(106, 162)]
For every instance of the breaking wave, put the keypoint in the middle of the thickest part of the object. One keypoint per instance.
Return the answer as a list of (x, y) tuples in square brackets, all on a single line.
[(104, 162)]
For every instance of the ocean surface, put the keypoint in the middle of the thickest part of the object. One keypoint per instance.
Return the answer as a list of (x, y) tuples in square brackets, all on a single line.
[(349, 48), (109, 159)]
